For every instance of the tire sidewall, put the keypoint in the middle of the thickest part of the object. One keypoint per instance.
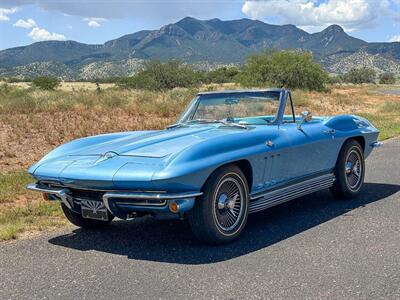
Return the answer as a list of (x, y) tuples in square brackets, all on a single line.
[(208, 205), (341, 188), (244, 212), (357, 148)]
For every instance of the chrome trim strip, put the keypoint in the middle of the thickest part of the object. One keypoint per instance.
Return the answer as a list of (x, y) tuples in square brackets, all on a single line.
[(142, 203), (288, 193), (376, 144), (61, 193), (151, 196)]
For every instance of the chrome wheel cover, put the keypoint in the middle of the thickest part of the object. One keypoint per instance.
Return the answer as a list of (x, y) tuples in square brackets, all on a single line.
[(229, 203), (354, 169)]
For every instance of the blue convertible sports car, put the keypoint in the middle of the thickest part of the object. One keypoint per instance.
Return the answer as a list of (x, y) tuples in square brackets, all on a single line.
[(231, 153)]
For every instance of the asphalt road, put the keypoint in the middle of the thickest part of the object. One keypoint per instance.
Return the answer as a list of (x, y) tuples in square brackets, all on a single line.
[(313, 247)]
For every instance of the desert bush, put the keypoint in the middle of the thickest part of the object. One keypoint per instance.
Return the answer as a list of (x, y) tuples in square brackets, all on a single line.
[(46, 82), (359, 75), (221, 75), (291, 69), (387, 78), (162, 76), (337, 79)]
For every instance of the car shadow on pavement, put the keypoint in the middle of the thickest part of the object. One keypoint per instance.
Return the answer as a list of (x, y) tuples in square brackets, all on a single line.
[(172, 241)]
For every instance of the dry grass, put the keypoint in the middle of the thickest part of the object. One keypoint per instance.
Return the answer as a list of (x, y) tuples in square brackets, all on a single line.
[(69, 86), (34, 217), (22, 211), (33, 122)]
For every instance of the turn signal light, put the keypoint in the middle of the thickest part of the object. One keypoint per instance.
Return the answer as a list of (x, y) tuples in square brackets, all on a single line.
[(45, 197), (173, 207)]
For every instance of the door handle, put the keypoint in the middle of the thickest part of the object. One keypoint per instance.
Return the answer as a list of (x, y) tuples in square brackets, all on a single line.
[(330, 131)]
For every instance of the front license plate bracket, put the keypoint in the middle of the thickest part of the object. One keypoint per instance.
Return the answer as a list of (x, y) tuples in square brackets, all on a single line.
[(94, 210)]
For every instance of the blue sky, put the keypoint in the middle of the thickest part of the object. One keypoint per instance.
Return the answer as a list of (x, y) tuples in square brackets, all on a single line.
[(23, 22)]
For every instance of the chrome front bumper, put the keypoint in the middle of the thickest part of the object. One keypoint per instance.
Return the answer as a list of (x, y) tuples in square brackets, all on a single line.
[(120, 202), (60, 193)]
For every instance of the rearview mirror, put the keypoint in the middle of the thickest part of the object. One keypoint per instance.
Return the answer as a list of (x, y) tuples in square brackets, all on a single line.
[(306, 117)]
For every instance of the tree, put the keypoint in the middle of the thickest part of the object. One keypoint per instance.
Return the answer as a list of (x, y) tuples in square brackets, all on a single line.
[(160, 76), (46, 83), (360, 75), (290, 69), (387, 78)]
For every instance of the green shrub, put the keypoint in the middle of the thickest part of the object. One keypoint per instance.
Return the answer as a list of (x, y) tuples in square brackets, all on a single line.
[(387, 78), (162, 76), (360, 75), (46, 83), (221, 75), (291, 69), (337, 79)]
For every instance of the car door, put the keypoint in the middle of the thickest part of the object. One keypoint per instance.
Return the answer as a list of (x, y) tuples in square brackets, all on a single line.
[(310, 151)]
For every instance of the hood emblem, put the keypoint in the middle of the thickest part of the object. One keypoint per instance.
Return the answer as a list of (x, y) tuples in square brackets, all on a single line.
[(106, 156)]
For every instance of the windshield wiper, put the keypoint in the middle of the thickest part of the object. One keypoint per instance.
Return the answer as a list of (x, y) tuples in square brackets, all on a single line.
[(174, 125), (226, 123)]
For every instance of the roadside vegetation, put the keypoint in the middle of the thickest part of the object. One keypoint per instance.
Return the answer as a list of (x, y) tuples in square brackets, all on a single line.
[(46, 83), (21, 211), (34, 120), (290, 69)]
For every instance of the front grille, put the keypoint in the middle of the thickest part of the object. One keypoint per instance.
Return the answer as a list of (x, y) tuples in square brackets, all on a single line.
[(88, 195), (77, 193), (139, 202)]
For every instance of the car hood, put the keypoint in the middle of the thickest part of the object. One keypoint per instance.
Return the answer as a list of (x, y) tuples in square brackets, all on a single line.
[(155, 144)]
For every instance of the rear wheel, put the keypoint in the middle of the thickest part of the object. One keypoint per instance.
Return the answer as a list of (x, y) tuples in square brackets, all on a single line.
[(220, 214), (349, 171), (80, 221)]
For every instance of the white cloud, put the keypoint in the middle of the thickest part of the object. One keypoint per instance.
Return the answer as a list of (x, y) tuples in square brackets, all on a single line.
[(395, 38), (310, 14), (95, 22), (4, 12), (29, 23), (152, 13), (40, 34)]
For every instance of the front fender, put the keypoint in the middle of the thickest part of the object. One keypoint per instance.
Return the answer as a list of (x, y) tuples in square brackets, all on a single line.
[(195, 164)]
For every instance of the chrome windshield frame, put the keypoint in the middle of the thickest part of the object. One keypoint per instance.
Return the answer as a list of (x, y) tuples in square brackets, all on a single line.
[(192, 106)]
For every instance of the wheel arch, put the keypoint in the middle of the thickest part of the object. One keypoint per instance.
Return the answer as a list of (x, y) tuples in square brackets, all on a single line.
[(244, 165), (360, 139)]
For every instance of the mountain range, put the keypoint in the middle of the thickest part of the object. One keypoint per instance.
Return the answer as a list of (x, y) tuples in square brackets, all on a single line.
[(206, 44)]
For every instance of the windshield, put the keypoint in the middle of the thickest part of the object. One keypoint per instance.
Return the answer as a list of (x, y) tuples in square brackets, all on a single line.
[(256, 108)]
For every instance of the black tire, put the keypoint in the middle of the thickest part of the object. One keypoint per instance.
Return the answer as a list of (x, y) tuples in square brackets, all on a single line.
[(220, 214), (349, 171), (80, 221)]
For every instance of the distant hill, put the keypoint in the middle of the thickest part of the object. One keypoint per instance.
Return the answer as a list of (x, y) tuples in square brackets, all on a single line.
[(204, 43)]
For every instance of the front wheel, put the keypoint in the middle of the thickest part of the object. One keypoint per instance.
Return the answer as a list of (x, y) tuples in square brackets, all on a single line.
[(220, 214), (349, 171), (80, 221)]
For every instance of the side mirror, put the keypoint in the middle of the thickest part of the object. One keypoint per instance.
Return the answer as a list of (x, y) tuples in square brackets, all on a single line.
[(306, 117)]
